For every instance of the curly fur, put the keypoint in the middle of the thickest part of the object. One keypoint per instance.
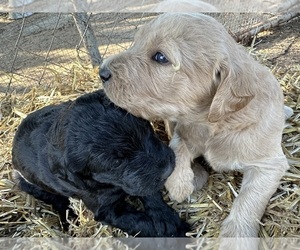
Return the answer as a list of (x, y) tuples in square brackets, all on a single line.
[(92, 150), (217, 102)]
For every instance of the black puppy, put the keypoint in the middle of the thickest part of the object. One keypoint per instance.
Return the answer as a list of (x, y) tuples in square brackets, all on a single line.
[(95, 151)]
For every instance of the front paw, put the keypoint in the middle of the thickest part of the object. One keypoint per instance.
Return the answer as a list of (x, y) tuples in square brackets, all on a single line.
[(170, 225), (165, 219), (239, 243), (181, 229), (180, 186), (233, 228)]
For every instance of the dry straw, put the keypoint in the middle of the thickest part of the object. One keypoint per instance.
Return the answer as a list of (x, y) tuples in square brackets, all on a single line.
[(22, 215)]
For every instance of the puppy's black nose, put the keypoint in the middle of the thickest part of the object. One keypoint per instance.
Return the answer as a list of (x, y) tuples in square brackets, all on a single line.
[(105, 74)]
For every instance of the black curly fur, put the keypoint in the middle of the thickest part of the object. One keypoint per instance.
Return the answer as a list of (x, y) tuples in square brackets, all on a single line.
[(95, 151)]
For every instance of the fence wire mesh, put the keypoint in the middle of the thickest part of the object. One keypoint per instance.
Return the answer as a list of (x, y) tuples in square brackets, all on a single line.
[(34, 49), (52, 50)]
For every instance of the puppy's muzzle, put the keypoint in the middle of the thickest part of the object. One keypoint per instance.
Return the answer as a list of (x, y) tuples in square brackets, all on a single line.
[(104, 74)]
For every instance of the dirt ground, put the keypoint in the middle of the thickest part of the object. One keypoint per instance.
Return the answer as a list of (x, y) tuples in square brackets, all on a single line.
[(52, 41), (277, 48), (281, 46)]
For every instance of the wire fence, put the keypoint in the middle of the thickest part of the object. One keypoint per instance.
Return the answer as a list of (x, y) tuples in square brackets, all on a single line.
[(34, 49)]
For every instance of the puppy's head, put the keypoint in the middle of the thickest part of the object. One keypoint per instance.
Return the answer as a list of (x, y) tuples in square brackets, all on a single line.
[(134, 159), (176, 66), (117, 148)]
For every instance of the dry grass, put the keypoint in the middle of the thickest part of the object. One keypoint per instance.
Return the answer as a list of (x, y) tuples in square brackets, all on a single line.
[(22, 215)]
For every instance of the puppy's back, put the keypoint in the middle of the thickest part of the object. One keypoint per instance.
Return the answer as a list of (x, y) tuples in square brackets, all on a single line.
[(58, 140), (94, 124)]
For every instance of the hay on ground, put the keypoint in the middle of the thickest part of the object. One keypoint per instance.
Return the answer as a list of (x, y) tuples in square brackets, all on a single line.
[(23, 216)]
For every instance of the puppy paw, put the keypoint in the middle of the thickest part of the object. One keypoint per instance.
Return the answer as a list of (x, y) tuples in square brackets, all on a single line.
[(232, 228), (171, 225), (182, 229), (180, 186), (238, 243), (165, 219)]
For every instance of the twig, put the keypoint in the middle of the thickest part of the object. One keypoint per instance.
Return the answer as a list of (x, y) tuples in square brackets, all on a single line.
[(88, 37), (284, 52), (246, 34), (287, 5), (215, 203), (232, 189)]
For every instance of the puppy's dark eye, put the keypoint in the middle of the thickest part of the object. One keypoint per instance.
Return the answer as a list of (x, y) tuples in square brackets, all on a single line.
[(160, 58)]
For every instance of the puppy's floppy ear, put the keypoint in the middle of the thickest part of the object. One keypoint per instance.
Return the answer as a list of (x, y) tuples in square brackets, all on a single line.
[(234, 91)]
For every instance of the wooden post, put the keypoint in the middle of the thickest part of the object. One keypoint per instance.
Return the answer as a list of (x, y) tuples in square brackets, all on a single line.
[(88, 37)]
